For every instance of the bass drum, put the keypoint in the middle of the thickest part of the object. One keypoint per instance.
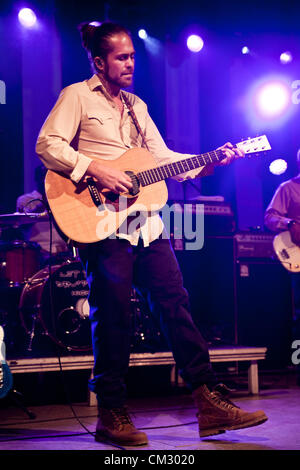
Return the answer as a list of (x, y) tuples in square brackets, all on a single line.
[(55, 303), (19, 260)]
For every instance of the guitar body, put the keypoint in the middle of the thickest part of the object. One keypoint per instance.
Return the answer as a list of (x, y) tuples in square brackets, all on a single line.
[(287, 252), (83, 221)]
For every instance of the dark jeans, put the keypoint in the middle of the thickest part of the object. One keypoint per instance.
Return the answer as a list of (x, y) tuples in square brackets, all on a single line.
[(112, 267)]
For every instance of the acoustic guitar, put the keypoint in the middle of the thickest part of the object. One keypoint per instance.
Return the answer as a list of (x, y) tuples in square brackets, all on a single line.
[(86, 212)]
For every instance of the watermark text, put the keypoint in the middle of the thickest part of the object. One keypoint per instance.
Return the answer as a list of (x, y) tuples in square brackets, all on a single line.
[(296, 354), (2, 92), (182, 221), (296, 93)]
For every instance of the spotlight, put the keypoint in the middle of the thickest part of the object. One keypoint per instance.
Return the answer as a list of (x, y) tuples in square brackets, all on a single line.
[(245, 50), (272, 99), (278, 166), (286, 57), (27, 17), (95, 23), (195, 43), (142, 34)]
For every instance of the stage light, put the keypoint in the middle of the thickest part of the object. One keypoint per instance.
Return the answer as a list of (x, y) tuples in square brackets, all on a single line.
[(278, 166), (142, 34), (95, 23), (268, 103), (286, 57), (272, 99), (245, 50), (195, 43), (27, 17)]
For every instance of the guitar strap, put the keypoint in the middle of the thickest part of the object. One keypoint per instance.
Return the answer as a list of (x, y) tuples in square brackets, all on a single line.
[(135, 121)]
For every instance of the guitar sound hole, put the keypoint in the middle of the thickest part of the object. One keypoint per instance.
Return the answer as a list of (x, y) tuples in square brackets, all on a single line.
[(135, 183), (112, 196)]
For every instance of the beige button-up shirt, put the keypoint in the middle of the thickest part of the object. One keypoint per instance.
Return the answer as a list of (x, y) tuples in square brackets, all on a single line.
[(86, 122)]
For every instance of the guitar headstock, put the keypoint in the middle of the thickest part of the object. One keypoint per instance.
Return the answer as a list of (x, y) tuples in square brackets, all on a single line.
[(255, 145)]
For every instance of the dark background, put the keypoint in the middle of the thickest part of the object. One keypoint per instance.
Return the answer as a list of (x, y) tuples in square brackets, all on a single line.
[(268, 28)]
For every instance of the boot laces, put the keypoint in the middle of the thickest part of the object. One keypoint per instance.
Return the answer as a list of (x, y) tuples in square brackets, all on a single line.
[(121, 416), (222, 400)]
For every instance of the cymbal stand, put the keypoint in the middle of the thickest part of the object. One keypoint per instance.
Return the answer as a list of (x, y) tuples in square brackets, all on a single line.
[(32, 332), (17, 398)]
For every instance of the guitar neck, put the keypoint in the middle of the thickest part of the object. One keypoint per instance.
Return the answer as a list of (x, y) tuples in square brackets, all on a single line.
[(163, 172)]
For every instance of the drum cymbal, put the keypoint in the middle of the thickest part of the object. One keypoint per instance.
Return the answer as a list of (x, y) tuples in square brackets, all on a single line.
[(19, 218)]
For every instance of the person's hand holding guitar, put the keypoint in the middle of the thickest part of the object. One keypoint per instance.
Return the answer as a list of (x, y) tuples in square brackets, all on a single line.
[(230, 153), (110, 178), (294, 228)]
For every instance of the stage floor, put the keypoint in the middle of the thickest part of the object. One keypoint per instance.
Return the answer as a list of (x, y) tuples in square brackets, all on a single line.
[(168, 420)]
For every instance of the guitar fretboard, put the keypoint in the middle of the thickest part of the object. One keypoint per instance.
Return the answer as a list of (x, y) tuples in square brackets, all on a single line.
[(163, 172)]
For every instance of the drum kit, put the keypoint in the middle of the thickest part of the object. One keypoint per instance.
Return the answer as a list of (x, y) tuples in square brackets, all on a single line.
[(41, 303), (45, 306)]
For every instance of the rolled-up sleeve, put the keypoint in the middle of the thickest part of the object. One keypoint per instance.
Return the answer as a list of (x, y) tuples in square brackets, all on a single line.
[(60, 128), (276, 216)]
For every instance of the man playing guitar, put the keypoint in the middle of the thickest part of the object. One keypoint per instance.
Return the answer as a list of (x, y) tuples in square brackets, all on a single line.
[(92, 123), (282, 216)]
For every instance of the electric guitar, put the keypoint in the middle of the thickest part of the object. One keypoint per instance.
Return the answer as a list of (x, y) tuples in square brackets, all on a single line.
[(86, 212), (6, 380), (287, 252)]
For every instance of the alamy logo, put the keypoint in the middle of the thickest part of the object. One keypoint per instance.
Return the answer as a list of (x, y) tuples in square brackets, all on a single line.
[(183, 222), (2, 92), (296, 93), (296, 354)]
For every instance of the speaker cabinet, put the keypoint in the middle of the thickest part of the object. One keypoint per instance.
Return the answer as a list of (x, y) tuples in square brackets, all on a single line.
[(208, 276), (239, 301), (265, 309)]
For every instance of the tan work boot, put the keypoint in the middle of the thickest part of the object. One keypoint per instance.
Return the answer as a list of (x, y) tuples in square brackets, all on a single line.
[(216, 414), (115, 425)]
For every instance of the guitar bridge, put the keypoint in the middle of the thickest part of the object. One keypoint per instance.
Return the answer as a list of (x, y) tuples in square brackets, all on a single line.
[(92, 186)]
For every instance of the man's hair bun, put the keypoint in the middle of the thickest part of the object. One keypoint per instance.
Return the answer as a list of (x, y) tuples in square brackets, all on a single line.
[(87, 32)]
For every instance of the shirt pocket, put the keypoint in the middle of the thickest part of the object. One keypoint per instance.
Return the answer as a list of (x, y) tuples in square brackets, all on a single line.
[(101, 117), (98, 125)]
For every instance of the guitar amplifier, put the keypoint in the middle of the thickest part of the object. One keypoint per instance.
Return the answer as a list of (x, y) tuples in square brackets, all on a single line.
[(263, 298), (254, 245), (218, 216), (218, 219), (245, 301)]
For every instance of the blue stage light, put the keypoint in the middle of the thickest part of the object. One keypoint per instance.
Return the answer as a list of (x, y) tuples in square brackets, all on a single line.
[(27, 17), (278, 166), (142, 34), (286, 57), (195, 43)]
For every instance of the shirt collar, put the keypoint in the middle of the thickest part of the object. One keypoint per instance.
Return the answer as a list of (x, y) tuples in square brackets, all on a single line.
[(95, 83)]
